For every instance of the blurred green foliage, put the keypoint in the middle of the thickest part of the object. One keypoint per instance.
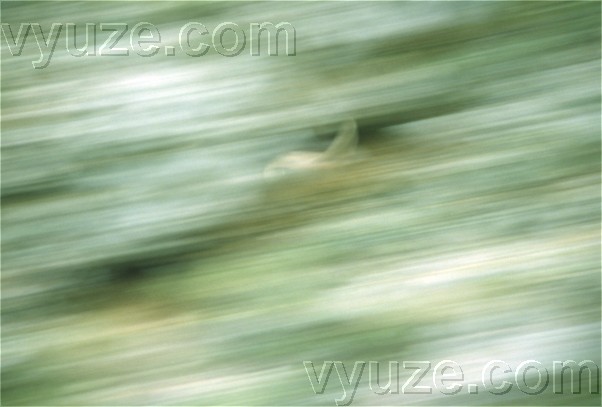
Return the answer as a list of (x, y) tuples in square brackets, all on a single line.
[(146, 261)]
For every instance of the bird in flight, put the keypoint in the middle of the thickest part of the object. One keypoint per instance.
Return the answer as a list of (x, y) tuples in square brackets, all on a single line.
[(341, 149)]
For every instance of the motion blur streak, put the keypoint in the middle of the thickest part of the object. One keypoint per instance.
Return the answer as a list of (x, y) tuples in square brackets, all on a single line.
[(147, 260)]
